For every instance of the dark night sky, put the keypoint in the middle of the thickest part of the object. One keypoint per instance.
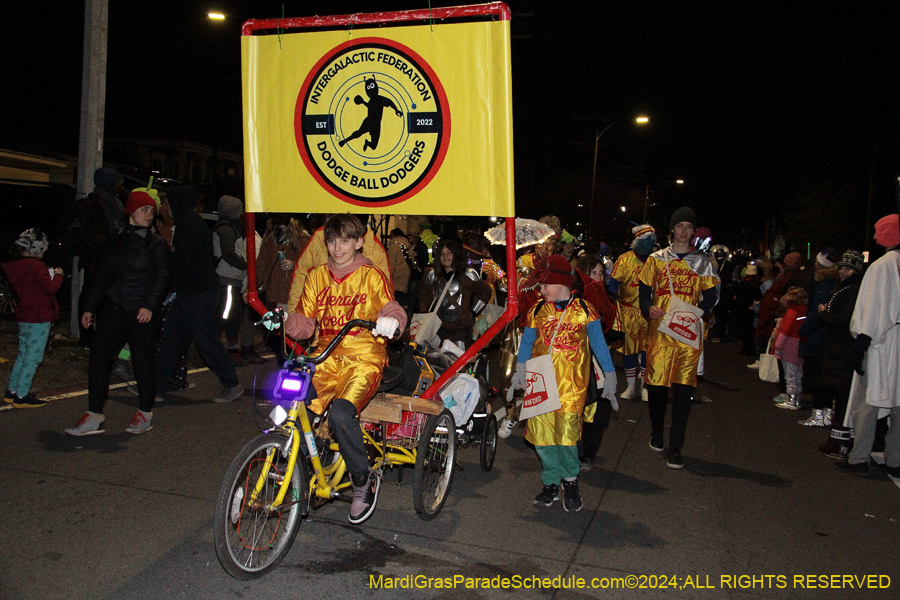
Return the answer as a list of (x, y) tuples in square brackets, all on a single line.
[(748, 101)]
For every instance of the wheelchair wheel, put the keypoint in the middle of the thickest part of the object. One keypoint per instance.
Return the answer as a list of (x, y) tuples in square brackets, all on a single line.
[(250, 539), (488, 443), (435, 462)]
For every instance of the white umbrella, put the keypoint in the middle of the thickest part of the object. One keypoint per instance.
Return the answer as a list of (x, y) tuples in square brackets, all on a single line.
[(528, 232)]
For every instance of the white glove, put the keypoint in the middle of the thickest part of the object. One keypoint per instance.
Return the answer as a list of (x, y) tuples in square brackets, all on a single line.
[(518, 379), (270, 322), (386, 327), (609, 386)]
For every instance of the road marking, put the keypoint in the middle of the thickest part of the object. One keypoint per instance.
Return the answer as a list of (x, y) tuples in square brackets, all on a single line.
[(121, 385), (112, 387)]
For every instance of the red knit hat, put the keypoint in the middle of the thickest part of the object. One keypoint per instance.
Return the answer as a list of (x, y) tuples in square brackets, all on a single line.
[(556, 270), (138, 199), (886, 232)]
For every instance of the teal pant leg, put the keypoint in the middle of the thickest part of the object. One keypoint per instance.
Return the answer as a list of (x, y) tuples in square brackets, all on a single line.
[(558, 463), (550, 473), (32, 343), (569, 463)]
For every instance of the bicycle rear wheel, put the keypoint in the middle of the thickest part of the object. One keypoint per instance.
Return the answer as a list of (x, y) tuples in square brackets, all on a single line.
[(435, 463), (488, 443), (250, 539)]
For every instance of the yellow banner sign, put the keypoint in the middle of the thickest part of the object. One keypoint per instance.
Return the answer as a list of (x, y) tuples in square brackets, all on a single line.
[(406, 120)]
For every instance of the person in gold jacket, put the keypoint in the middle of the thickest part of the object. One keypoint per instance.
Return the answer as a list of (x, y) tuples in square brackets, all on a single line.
[(316, 253), (624, 282), (670, 362), (348, 287), (565, 327)]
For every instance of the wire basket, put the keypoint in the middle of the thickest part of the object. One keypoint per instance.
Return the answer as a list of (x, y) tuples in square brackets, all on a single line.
[(406, 433)]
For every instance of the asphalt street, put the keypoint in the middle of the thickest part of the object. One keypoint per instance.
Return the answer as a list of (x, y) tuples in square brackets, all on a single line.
[(757, 512)]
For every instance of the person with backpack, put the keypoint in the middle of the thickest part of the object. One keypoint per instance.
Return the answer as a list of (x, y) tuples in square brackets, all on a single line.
[(401, 259), (87, 227), (35, 286), (229, 250), (194, 291)]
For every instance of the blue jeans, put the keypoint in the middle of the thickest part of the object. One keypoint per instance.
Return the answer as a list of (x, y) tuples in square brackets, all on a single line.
[(32, 343), (193, 315)]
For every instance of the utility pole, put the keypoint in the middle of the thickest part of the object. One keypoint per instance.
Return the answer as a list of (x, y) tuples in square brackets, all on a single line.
[(867, 236), (93, 107)]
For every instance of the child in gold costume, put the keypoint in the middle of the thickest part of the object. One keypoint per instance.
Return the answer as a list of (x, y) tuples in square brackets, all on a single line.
[(672, 363), (348, 287), (570, 329), (624, 282)]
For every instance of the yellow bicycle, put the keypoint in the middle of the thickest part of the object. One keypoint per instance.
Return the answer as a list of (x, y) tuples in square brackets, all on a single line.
[(281, 474)]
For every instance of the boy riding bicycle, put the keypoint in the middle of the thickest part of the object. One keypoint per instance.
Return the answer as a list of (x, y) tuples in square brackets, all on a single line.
[(348, 287)]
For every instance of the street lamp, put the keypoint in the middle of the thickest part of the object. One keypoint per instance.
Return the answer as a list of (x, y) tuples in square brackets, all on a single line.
[(648, 189), (639, 120), (215, 16)]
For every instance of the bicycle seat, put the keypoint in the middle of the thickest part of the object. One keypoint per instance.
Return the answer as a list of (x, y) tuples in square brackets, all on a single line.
[(390, 378)]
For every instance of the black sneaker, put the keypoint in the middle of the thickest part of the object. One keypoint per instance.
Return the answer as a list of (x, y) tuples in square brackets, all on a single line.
[(656, 443), (29, 401), (892, 471), (364, 499), (548, 495), (10, 397), (860, 469), (572, 502), (673, 460)]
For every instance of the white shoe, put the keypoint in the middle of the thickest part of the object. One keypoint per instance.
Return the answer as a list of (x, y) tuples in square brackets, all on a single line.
[(506, 428), (780, 398), (628, 394), (644, 396), (140, 423), (754, 366), (88, 425)]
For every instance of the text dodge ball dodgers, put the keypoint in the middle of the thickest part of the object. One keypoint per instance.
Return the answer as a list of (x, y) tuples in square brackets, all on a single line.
[(372, 122)]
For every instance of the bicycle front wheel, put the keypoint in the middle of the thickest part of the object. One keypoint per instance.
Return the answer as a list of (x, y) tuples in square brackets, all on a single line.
[(435, 462), (251, 538)]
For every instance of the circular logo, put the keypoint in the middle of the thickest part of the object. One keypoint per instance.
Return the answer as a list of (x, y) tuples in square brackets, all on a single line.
[(372, 122)]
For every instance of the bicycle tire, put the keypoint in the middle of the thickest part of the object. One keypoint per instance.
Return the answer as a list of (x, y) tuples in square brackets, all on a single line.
[(488, 443), (251, 541), (435, 465)]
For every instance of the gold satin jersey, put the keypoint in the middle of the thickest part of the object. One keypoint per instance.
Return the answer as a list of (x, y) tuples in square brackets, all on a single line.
[(333, 303), (571, 365), (668, 360), (571, 349), (629, 320), (353, 371)]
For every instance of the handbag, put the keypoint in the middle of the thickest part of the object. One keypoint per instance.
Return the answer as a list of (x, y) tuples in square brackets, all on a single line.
[(768, 365), (492, 312), (682, 320), (424, 326), (541, 389)]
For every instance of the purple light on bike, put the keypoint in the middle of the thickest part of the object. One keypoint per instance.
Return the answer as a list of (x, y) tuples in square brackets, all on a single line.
[(291, 385)]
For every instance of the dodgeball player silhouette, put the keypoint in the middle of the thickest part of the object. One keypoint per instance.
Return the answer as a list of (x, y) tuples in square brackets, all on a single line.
[(372, 123)]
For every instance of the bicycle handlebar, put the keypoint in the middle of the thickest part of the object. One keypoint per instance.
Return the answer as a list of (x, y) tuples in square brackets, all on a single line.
[(315, 360), (278, 314)]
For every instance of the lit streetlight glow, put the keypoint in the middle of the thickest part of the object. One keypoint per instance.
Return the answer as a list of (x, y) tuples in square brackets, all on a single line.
[(679, 181), (216, 16), (623, 208), (642, 120)]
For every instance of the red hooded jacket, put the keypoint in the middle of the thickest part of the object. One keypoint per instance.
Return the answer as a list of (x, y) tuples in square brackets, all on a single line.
[(35, 290)]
